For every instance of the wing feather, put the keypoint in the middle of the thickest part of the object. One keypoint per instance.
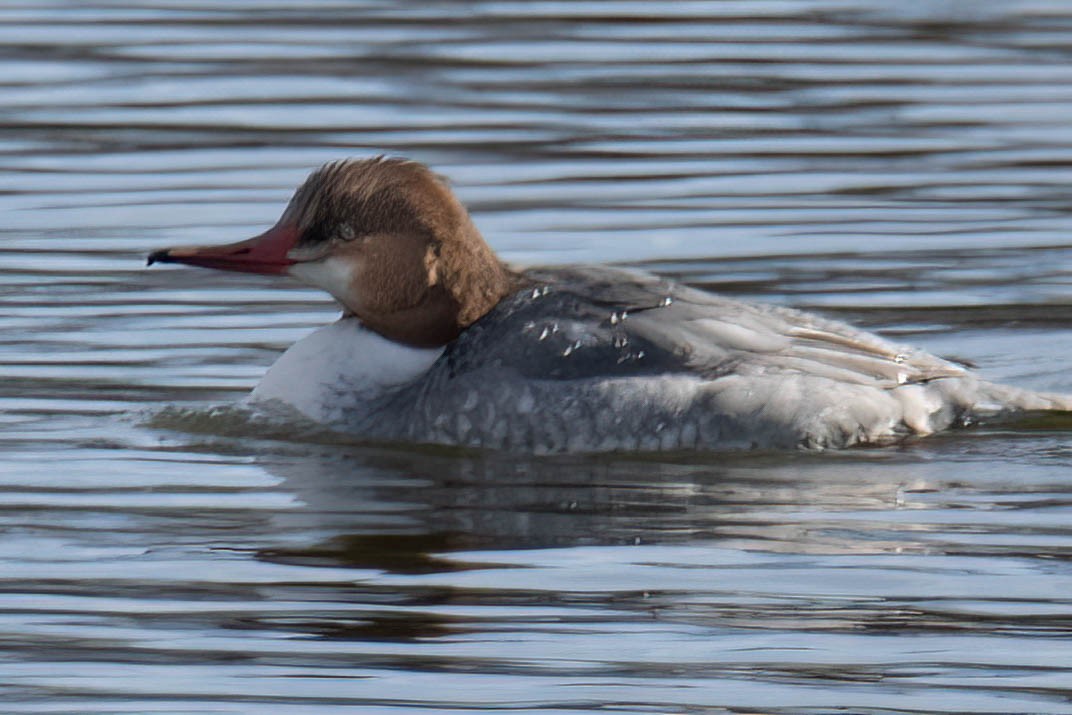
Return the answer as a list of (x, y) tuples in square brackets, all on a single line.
[(608, 322)]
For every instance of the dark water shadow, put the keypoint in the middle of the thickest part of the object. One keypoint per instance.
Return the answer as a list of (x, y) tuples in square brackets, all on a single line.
[(404, 511)]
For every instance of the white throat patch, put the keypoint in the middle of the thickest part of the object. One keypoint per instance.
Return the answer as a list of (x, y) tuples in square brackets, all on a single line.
[(329, 274)]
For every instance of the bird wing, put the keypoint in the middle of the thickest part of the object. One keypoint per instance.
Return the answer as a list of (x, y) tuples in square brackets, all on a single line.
[(600, 322)]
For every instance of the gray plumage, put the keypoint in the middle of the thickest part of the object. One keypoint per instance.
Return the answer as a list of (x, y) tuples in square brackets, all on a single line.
[(601, 359)]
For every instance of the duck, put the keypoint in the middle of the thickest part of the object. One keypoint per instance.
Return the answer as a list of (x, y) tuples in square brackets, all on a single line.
[(440, 342)]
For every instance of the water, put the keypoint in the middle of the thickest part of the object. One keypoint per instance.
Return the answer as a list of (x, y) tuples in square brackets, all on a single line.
[(901, 165)]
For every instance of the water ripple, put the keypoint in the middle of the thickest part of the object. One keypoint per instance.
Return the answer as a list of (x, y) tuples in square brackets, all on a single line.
[(902, 165)]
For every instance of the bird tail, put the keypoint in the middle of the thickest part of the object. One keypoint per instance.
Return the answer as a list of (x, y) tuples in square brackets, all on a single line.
[(996, 400)]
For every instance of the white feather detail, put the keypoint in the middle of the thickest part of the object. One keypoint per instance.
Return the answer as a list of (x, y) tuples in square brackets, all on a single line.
[(339, 366)]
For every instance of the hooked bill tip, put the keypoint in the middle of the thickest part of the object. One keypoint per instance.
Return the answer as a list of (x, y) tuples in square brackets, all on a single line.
[(160, 256)]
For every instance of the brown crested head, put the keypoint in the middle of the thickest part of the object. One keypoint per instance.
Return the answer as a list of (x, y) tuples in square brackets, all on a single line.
[(388, 239)]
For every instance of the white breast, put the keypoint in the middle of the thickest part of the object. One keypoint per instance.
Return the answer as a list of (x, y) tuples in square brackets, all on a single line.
[(338, 366)]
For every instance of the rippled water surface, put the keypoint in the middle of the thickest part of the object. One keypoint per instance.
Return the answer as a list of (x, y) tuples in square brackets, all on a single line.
[(906, 166)]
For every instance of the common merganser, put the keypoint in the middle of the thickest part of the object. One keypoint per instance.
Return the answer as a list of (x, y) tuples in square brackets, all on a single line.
[(441, 342)]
